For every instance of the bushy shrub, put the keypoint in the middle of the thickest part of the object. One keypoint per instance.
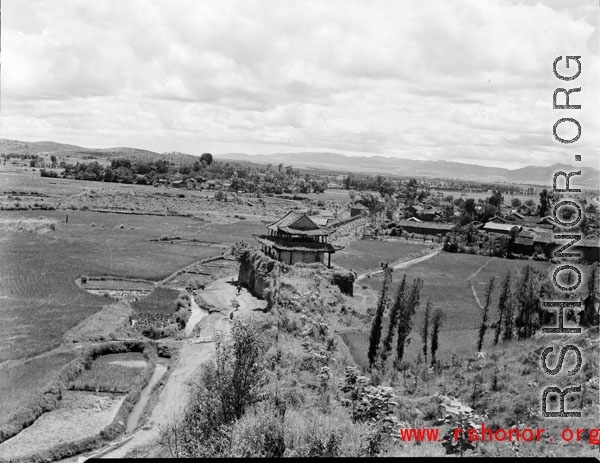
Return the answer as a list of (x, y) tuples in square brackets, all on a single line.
[(229, 384), (259, 433)]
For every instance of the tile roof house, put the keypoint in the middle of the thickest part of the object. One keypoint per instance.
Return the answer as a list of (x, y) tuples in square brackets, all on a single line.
[(500, 228), (425, 228), (497, 219), (524, 210)]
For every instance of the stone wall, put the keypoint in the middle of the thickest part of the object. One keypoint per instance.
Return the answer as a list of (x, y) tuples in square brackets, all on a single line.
[(257, 272), (348, 231)]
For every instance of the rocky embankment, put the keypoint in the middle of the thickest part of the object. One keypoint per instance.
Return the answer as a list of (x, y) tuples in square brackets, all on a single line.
[(261, 275)]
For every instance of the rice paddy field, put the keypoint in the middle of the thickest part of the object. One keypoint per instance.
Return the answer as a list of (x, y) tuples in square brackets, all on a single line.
[(160, 300), (35, 373), (111, 373), (80, 415), (39, 299)]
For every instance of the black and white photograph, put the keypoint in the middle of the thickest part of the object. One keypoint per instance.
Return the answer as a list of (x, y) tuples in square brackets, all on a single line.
[(264, 228)]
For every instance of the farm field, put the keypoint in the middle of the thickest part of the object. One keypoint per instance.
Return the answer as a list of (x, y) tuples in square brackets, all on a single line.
[(111, 373), (447, 280), (80, 415), (35, 373), (160, 300), (41, 304), (365, 255)]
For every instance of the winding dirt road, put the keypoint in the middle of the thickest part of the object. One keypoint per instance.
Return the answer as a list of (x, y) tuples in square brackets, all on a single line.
[(194, 351)]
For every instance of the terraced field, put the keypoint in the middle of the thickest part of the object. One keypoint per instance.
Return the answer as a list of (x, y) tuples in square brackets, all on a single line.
[(111, 373), (80, 416), (35, 373), (39, 300)]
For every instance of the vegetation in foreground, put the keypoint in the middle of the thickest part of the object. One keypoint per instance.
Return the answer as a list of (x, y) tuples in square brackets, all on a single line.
[(308, 400)]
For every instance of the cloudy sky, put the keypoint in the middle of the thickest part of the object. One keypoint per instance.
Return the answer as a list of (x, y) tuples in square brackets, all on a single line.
[(465, 80)]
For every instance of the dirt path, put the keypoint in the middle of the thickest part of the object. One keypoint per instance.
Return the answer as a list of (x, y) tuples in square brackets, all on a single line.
[(197, 315), (193, 352), (398, 265), (476, 272), (473, 290), (223, 292)]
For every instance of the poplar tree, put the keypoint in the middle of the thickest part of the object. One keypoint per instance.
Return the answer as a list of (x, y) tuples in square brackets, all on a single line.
[(528, 287), (589, 315), (509, 312), (505, 311), (436, 323), (375, 336), (486, 308), (425, 329), (405, 318), (394, 317)]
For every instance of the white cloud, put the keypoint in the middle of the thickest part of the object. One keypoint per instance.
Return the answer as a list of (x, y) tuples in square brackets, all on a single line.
[(460, 80)]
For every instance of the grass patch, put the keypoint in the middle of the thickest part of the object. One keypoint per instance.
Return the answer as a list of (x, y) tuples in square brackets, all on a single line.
[(358, 345), (366, 255), (112, 373), (447, 280), (160, 300), (35, 374)]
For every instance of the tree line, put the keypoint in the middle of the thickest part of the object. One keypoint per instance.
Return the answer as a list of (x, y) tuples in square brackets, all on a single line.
[(519, 308), (400, 318)]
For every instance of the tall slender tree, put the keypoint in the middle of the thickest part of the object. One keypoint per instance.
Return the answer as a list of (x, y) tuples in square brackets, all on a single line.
[(425, 329), (505, 312), (436, 324), (375, 336), (394, 317), (486, 308), (529, 287), (589, 315), (406, 318), (509, 314)]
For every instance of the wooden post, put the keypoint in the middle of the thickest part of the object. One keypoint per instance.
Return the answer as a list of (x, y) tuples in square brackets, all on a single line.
[(329, 260)]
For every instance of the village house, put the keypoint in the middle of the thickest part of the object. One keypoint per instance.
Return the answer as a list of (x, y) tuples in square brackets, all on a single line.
[(517, 216), (497, 219), (429, 215), (546, 222), (413, 225), (500, 228), (296, 238), (414, 210), (524, 210)]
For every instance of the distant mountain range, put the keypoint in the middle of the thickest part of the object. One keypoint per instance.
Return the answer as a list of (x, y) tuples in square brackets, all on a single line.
[(590, 177), (49, 147)]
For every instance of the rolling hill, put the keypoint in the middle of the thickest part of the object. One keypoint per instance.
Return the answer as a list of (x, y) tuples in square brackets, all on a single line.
[(58, 149), (590, 177)]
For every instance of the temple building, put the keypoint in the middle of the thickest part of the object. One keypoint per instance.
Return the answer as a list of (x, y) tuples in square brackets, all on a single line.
[(297, 238)]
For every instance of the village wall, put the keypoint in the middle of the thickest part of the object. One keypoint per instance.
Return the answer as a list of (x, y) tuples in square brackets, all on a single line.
[(350, 230)]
